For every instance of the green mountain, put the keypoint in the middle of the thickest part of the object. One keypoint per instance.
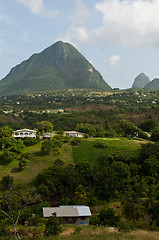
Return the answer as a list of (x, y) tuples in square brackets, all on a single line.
[(154, 84), (140, 81), (59, 66)]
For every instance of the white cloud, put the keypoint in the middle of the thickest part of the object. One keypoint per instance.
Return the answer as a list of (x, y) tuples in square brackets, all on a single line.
[(37, 7), (78, 35), (129, 22), (114, 61), (79, 13)]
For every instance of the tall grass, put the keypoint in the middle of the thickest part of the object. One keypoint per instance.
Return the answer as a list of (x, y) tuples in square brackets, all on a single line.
[(103, 234)]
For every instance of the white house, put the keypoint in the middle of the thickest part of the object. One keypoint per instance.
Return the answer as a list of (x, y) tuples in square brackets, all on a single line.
[(74, 134), (79, 215), (22, 133)]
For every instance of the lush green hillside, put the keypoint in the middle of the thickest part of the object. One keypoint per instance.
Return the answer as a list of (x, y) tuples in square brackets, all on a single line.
[(83, 152), (60, 66), (122, 147)]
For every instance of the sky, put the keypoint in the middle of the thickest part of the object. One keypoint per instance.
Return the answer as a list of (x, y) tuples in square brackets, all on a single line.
[(119, 37)]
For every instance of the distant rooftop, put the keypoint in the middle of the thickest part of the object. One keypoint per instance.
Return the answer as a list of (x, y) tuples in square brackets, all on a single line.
[(67, 211)]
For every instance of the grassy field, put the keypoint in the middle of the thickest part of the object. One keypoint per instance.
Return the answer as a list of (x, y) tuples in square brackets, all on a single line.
[(118, 146), (36, 164), (89, 232)]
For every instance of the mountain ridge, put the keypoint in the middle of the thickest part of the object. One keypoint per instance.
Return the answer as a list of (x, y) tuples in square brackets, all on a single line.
[(59, 66)]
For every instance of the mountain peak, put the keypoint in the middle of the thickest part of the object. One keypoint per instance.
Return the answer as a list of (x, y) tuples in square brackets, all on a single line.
[(140, 81), (59, 66)]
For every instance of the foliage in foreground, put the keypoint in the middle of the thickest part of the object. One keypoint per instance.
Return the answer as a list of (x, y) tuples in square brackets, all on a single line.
[(53, 226)]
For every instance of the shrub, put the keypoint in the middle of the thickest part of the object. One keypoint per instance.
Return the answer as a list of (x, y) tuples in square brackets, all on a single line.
[(7, 157), (100, 145), (94, 220), (148, 125), (23, 163), (27, 155), (59, 162), (155, 134), (28, 141), (75, 141), (53, 226), (108, 218), (7, 182), (17, 146), (46, 146), (4, 229)]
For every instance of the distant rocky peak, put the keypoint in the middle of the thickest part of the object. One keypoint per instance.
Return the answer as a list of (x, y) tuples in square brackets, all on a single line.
[(140, 81)]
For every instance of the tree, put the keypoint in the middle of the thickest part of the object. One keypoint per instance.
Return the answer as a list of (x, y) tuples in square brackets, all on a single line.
[(44, 126), (46, 146), (58, 162), (7, 182), (7, 157), (149, 149), (6, 132), (150, 196), (53, 226), (132, 206), (12, 204), (4, 229), (17, 146), (148, 125), (155, 213), (23, 163), (86, 128), (80, 195), (108, 218), (6, 142), (126, 128), (155, 134)]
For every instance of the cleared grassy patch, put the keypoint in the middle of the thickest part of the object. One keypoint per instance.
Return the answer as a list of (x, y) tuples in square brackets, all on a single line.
[(38, 163), (124, 147)]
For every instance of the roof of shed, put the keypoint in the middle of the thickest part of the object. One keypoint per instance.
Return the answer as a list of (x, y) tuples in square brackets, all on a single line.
[(67, 211)]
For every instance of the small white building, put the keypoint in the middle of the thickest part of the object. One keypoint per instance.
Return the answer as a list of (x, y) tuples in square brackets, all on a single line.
[(22, 133), (79, 215), (48, 135), (74, 134)]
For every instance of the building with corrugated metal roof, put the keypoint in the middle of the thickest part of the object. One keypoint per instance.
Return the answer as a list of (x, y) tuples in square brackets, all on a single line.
[(79, 215)]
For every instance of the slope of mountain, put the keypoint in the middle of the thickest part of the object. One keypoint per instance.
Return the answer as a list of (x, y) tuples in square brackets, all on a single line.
[(140, 81), (59, 66), (154, 84)]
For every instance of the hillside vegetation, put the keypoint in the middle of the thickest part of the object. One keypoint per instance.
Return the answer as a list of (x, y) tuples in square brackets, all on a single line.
[(59, 66), (114, 168)]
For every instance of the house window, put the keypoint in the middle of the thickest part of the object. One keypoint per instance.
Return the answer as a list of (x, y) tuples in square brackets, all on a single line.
[(83, 218)]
